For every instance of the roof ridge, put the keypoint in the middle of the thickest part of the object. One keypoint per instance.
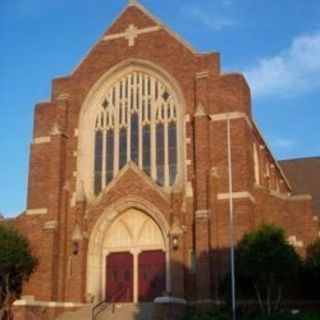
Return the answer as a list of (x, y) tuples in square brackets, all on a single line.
[(299, 159)]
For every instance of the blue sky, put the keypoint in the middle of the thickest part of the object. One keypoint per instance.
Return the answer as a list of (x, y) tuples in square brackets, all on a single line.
[(276, 44)]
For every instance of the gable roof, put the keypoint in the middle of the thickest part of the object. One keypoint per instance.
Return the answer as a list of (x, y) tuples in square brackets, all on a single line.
[(304, 175), (156, 20), (148, 15)]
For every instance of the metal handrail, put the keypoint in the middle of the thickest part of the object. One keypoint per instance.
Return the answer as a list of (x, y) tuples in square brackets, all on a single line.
[(104, 304)]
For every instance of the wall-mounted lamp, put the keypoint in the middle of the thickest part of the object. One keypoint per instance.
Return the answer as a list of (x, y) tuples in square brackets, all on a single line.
[(175, 242), (75, 247)]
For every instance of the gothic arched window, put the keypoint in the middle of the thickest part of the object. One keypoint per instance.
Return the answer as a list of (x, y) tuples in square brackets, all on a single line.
[(136, 121)]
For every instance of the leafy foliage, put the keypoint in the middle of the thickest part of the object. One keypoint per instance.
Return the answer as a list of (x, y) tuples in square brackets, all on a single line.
[(16, 264), (311, 271), (267, 261)]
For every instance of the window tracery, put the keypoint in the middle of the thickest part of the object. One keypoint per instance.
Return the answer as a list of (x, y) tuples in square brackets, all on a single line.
[(136, 121)]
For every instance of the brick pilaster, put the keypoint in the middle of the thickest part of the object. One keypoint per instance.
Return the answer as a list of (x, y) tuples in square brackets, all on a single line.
[(177, 253), (202, 216)]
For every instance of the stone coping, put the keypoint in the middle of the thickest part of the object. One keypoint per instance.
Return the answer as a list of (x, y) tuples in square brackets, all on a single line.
[(50, 304), (169, 300)]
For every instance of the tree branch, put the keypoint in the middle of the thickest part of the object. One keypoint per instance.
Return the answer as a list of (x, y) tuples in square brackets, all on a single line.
[(259, 298)]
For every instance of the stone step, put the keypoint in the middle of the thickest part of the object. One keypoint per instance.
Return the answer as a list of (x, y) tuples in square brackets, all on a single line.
[(121, 311)]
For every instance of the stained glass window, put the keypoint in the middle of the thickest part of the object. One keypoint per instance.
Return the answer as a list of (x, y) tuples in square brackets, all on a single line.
[(172, 145), (123, 148), (134, 138), (136, 121), (146, 150), (109, 155), (98, 162), (160, 153)]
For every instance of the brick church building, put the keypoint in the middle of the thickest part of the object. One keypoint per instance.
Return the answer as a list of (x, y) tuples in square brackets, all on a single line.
[(130, 181)]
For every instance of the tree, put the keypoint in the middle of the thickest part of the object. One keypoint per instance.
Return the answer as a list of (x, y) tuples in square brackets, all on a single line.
[(16, 265), (311, 271), (267, 261)]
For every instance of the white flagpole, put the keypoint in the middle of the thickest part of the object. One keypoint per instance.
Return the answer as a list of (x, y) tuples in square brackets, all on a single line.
[(231, 225)]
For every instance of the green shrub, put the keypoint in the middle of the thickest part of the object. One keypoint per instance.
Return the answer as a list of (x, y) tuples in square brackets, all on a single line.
[(311, 272), (266, 260)]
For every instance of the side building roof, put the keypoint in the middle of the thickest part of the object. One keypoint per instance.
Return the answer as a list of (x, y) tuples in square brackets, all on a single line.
[(304, 176)]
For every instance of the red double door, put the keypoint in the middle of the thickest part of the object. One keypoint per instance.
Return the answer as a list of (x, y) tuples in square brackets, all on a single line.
[(150, 273)]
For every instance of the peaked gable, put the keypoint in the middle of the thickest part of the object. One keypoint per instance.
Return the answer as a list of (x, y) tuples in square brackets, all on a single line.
[(137, 15), (129, 175), (131, 15)]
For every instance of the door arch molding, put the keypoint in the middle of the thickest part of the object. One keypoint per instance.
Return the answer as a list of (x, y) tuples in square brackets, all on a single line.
[(96, 251)]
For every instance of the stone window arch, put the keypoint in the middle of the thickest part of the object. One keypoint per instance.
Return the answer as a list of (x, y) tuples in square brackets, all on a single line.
[(134, 113)]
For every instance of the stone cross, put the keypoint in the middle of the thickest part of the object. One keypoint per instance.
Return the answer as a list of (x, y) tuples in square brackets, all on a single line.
[(131, 33)]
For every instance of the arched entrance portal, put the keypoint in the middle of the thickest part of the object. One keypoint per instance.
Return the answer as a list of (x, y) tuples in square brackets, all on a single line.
[(135, 258), (128, 257)]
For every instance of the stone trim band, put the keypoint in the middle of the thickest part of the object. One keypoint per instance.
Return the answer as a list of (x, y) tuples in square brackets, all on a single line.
[(236, 195), (40, 140), (31, 212)]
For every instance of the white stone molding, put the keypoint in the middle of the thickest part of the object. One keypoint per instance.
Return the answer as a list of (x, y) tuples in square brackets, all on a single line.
[(203, 74), (41, 140), (214, 172), (300, 197), (32, 212), (133, 2), (51, 225), (50, 304), (131, 33), (56, 130), (63, 96), (200, 111), (80, 193), (177, 229), (256, 163), (92, 105), (202, 214), (231, 116), (77, 234), (73, 199), (236, 195)]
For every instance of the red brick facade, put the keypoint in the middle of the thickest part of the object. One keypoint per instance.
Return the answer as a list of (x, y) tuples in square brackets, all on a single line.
[(196, 209)]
